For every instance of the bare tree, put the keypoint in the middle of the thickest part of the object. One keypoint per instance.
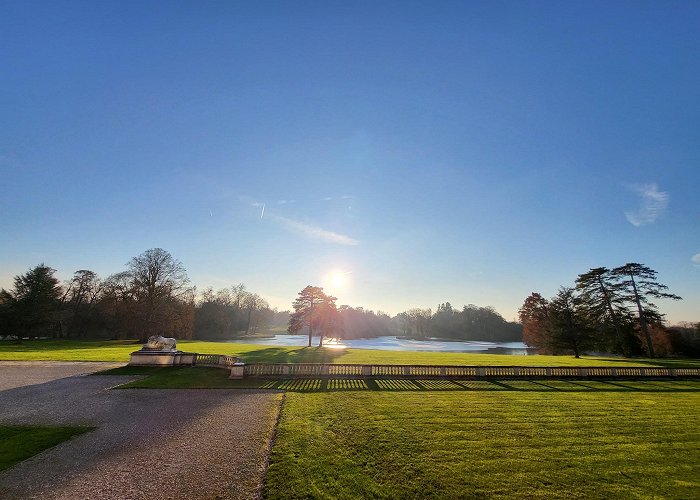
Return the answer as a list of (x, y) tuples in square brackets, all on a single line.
[(81, 295), (159, 281), (254, 304)]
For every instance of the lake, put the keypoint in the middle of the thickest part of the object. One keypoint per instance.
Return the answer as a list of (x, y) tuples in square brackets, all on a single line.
[(396, 344)]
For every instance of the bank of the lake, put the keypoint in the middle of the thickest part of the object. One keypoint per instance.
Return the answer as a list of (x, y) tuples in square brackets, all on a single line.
[(120, 350)]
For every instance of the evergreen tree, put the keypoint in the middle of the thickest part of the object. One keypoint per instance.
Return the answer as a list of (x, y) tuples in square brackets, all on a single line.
[(31, 309), (314, 309), (566, 328), (603, 305), (637, 284)]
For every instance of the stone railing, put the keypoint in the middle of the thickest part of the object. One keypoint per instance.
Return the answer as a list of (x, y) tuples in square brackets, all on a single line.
[(350, 371), (356, 371), (179, 358), (214, 360)]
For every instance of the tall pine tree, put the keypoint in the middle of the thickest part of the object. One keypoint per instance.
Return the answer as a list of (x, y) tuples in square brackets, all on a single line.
[(637, 283)]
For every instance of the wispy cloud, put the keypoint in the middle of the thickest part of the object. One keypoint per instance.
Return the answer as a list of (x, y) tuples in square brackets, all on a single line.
[(315, 232), (332, 198), (653, 204), (696, 259), (260, 205)]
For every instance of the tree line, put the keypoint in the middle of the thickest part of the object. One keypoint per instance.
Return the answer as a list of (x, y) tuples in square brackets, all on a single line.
[(315, 311), (607, 310), (469, 323), (153, 296)]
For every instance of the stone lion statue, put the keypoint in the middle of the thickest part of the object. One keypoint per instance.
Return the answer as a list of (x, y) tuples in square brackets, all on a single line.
[(160, 343)]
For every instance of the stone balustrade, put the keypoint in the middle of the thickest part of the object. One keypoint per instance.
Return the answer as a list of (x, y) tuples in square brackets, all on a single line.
[(350, 371), (358, 371)]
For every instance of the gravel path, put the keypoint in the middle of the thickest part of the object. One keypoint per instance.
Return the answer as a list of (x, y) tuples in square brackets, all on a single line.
[(21, 373), (149, 443)]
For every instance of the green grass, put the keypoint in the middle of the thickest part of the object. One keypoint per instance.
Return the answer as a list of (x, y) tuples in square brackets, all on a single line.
[(73, 350), (487, 444), (18, 443)]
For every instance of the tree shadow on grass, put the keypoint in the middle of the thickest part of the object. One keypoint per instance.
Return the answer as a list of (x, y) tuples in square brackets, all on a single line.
[(659, 362), (432, 385), (186, 377)]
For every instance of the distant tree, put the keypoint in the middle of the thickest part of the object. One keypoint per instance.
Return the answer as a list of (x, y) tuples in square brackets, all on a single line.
[(566, 328), (238, 298), (160, 285), (603, 305), (446, 322), (404, 323), (419, 321), (82, 294), (637, 283), (534, 316), (119, 304), (7, 314), (358, 322), (312, 309), (232, 311), (209, 319), (328, 321), (485, 323), (32, 308), (254, 304), (471, 323), (686, 337)]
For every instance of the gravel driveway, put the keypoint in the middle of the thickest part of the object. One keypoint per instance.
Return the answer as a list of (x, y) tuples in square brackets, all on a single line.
[(149, 443), (21, 373)]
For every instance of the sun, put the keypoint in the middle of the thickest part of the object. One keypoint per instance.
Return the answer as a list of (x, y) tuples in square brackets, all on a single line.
[(336, 280)]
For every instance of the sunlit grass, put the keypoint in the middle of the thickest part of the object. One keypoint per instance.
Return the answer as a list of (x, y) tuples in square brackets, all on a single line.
[(18, 443), (119, 350), (487, 444)]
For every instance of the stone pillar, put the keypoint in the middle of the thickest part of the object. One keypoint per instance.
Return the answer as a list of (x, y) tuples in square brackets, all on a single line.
[(237, 371)]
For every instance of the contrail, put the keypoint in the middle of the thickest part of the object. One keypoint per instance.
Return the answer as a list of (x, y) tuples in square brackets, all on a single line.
[(262, 211)]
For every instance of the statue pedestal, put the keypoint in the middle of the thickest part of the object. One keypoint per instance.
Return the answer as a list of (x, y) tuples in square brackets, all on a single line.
[(154, 357)]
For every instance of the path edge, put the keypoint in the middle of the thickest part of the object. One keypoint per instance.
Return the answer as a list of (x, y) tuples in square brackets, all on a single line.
[(268, 451)]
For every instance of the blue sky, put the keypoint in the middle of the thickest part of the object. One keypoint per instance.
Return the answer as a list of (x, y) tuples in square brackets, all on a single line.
[(430, 151)]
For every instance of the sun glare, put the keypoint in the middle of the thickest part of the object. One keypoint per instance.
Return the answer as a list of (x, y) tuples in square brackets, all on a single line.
[(337, 280)]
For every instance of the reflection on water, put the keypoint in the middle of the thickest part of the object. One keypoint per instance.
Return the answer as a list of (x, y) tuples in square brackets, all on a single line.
[(395, 344)]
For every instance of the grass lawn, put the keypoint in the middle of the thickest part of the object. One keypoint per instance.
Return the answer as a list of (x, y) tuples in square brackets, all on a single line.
[(18, 443), (74, 350), (473, 439), (487, 444)]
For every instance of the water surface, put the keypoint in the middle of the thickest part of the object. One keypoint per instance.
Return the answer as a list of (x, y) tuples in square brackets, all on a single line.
[(389, 343)]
